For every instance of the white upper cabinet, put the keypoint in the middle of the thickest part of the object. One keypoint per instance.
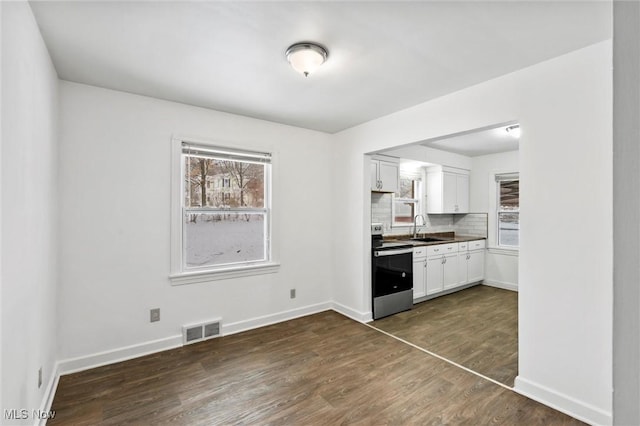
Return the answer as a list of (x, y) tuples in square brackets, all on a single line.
[(447, 190), (385, 174)]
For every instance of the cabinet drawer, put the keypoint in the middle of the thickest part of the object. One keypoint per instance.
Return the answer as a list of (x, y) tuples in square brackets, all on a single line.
[(463, 246), (442, 249), (419, 252), (477, 244)]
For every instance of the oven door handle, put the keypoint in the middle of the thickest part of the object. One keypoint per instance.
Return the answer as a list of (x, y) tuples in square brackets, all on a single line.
[(380, 253)]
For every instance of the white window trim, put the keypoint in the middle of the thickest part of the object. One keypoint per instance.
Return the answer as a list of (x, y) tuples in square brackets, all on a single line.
[(179, 277), (492, 240)]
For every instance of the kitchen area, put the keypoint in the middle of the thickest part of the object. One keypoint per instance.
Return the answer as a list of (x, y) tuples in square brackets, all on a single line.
[(444, 240)]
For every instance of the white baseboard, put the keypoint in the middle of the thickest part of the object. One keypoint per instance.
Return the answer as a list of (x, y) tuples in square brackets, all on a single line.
[(351, 313), (501, 284), (250, 324), (73, 365), (564, 403), (49, 393)]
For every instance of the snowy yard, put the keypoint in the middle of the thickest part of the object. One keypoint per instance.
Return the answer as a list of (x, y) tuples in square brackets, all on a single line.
[(215, 240), (509, 234)]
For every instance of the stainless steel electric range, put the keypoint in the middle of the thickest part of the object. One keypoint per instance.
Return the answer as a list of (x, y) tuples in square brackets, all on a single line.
[(391, 275)]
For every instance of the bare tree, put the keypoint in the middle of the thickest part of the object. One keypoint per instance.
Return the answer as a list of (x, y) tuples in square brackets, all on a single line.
[(197, 171), (245, 176), (203, 181)]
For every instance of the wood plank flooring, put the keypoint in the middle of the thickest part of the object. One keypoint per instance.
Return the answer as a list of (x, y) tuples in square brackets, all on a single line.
[(323, 369), (476, 328)]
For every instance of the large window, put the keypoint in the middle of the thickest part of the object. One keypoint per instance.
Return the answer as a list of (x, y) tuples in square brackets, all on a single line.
[(508, 214), (225, 209)]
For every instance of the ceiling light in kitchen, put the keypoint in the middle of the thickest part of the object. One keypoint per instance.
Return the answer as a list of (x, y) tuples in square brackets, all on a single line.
[(306, 57), (514, 130)]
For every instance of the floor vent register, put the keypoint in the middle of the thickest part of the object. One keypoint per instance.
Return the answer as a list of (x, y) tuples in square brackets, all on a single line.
[(198, 332)]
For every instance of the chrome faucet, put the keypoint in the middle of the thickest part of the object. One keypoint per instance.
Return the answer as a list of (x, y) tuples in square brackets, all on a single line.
[(415, 224)]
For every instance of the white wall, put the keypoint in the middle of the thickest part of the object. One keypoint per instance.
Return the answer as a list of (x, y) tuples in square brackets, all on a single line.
[(482, 169), (1, 145), (626, 211), (431, 155), (564, 107), (115, 198), (501, 266), (29, 207)]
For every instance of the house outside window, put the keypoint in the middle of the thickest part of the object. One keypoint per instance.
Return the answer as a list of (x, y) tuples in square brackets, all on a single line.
[(508, 210), (224, 227), (406, 202)]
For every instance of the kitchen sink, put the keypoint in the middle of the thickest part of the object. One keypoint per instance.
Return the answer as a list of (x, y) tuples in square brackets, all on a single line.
[(431, 239)]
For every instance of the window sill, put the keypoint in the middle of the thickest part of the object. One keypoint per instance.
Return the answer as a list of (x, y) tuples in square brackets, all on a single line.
[(223, 274), (504, 250)]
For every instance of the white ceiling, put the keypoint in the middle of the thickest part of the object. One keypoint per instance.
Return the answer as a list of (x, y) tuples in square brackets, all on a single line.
[(383, 56), (476, 143)]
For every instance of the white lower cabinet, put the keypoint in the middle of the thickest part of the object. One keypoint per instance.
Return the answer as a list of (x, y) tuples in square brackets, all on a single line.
[(471, 262), (450, 271), (442, 272), (419, 273), (435, 273), (441, 267), (475, 266)]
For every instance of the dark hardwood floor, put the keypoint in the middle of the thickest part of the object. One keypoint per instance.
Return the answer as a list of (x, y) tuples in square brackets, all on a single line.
[(476, 328), (323, 369)]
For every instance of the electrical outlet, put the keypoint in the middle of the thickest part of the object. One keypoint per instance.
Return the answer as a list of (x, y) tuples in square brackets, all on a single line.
[(39, 377), (154, 315), (292, 293)]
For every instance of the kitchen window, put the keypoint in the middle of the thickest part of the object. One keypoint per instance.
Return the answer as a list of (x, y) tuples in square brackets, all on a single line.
[(508, 210), (406, 202), (220, 230)]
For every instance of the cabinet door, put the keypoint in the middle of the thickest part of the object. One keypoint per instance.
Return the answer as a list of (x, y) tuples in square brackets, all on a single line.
[(463, 258), (475, 266), (434, 193), (434, 275), (462, 193), (419, 284), (450, 271), (449, 192), (374, 175), (389, 174)]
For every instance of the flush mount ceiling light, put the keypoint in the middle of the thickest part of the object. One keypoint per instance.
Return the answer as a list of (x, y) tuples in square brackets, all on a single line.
[(306, 57), (514, 130)]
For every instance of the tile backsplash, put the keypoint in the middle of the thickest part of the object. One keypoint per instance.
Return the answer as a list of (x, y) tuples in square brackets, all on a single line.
[(461, 224), (471, 224)]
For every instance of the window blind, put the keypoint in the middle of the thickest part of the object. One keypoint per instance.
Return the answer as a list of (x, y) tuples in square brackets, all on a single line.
[(219, 153), (504, 177)]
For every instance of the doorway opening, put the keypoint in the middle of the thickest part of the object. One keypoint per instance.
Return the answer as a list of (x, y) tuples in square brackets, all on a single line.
[(472, 322)]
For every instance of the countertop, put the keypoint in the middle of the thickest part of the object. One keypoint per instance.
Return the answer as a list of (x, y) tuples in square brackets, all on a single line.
[(447, 238)]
